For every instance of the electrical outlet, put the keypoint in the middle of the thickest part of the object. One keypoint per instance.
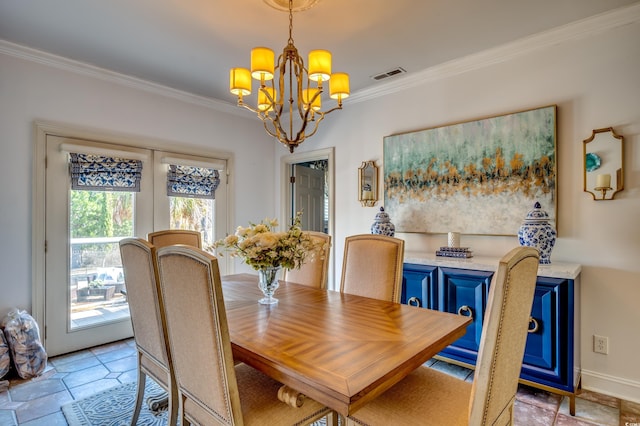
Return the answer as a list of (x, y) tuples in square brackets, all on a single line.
[(600, 344)]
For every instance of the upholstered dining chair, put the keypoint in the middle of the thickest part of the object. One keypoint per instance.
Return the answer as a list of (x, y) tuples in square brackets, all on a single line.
[(170, 237), (430, 397), (313, 273), (211, 389), (147, 317), (372, 266)]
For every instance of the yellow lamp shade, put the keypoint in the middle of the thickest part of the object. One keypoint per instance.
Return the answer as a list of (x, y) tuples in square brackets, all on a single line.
[(240, 81), (262, 62), (264, 104), (319, 65), (339, 86), (307, 95)]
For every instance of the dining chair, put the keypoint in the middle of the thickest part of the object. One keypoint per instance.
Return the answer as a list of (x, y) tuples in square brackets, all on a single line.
[(313, 273), (430, 397), (210, 388), (148, 321), (170, 237), (372, 266)]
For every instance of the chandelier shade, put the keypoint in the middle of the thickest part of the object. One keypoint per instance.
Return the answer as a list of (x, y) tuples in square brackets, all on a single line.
[(289, 95)]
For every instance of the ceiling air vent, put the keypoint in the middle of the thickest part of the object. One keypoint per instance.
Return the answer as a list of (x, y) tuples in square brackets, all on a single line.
[(389, 73)]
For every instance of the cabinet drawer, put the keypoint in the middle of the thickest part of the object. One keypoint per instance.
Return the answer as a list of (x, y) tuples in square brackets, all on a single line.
[(548, 339), (419, 286), (465, 293)]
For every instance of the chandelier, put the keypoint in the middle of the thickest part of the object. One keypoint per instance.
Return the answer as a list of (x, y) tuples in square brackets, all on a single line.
[(291, 110)]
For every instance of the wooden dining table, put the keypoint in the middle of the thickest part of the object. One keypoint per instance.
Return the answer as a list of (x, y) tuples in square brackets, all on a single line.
[(338, 349)]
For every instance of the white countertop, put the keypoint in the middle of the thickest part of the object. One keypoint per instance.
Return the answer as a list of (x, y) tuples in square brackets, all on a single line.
[(483, 263)]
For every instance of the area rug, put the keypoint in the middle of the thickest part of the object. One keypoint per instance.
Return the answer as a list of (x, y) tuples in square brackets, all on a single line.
[(114, 407)]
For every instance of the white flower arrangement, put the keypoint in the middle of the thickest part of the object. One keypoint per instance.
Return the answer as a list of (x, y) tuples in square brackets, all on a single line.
[(260, 246)]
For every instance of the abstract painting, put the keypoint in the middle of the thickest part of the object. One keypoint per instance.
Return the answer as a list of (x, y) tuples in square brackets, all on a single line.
[(476, 177)]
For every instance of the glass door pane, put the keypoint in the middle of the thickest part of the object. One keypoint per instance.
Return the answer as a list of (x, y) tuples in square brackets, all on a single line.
[(98, 221)]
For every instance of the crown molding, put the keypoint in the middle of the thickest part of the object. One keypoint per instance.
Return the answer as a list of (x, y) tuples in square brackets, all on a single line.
[(574, 31), (581, 29), (77, 67)]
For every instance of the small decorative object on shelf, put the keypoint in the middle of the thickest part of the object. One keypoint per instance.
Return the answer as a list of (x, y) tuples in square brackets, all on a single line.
[(536, 231), (453, 239), (382, 224), (461, 252)]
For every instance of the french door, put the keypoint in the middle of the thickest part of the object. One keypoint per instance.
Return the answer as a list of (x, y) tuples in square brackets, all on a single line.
[(85, 293)]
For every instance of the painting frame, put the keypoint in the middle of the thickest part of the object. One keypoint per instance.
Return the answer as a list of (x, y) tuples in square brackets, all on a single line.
[(476, 177)]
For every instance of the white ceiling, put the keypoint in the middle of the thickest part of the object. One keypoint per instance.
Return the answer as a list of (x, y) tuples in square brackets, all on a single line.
[(190, 45)]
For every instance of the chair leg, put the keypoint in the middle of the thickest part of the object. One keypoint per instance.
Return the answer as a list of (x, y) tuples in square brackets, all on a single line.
[(142, 379), (174, 403)]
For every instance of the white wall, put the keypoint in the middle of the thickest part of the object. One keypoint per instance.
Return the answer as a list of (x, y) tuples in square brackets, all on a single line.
[(31, 91), (595, 82)]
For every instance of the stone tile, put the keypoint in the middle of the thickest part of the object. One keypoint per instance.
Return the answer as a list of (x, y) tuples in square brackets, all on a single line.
[(628, 407), (32, 390), (627, 419), (115, 355), (525, 414), (69, 358), (599, 398), (568, 420), (77, 365), (7, 418), (54, 419), (128, 376), (537, 397), (84, 391), (4, 397), (454, 370), (41, 407), (85, 376), (591, 412), (123, 364), (110, 347)]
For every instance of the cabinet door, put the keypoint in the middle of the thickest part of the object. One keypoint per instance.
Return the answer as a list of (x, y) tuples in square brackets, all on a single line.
[(545, 357), (419, 286), (464, 292)]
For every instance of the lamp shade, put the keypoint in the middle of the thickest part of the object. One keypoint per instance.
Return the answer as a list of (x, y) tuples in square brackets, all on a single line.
[(262, 61), (339, 86), (307, 96), (319, 65), (240, 81), (264, 104)]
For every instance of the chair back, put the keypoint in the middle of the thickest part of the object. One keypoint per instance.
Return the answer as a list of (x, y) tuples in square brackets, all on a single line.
[(170, 237), (198, 335), (372, 266), (504, 335), (145, 301), (313, 273)]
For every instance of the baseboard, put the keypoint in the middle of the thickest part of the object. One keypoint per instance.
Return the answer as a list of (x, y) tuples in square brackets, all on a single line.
[(618, 387)]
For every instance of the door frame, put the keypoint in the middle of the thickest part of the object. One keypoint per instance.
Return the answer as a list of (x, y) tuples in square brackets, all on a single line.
[(38, 199), (286, 162)]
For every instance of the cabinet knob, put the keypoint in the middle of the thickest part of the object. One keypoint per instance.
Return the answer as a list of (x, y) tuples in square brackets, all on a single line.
[(536, 326), (414, 301), (465, 308)]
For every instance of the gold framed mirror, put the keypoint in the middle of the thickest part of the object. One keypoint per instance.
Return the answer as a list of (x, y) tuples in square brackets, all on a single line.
[(368, 184), (603, 162)]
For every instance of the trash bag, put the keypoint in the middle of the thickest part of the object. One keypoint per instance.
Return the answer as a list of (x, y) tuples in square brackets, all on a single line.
[(23, 337), (5, 358)]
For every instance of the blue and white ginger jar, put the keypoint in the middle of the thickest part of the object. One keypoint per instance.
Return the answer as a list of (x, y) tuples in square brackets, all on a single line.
[(382, 224), (536, 232)]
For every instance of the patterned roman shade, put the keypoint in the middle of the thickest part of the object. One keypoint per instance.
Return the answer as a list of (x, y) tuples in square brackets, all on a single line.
[(192, 182), (95, 172)]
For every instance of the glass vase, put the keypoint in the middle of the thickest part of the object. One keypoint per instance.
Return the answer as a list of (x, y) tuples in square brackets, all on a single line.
[(268, 283)]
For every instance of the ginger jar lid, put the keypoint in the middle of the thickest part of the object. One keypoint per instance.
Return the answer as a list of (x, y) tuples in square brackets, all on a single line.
[(382, 216), (537, 214)]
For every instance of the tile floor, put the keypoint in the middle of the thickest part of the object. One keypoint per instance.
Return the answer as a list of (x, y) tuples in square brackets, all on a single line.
[(37, 402)]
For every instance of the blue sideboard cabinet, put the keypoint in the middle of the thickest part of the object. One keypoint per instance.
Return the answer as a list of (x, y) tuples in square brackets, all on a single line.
[(461, 286)]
